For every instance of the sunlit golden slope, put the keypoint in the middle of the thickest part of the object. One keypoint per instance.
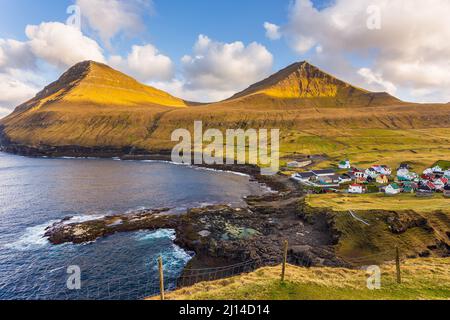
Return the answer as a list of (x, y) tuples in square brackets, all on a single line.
[(96, 83), (92, 105), (304, 84)]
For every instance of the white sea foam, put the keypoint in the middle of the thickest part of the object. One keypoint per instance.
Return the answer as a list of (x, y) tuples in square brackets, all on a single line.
[(174, 259), (84, 218), (158, 234), (196, 167), (32, 239), (224, 171)]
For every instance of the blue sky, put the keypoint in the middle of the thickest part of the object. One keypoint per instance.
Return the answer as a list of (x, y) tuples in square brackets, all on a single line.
[(173, 26), (207, 50)]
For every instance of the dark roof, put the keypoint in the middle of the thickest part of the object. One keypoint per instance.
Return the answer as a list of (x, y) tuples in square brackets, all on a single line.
[(334, 177), (323, 172), (305, 175)]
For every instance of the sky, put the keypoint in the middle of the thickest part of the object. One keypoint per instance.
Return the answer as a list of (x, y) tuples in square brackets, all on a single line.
[(203, 50)]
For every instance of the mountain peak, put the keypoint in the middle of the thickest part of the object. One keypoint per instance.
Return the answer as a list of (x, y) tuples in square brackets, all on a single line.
[(94, 83), (299, 80)]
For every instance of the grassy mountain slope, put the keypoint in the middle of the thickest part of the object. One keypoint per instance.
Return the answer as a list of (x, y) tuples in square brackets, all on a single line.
[(90, 105), (304, 84), (94, 105)]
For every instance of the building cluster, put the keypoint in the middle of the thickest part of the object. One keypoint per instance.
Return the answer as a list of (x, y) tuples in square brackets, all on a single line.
[(378, 178)]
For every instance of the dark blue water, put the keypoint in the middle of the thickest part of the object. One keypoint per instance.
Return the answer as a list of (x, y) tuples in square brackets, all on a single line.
[(34, 193)]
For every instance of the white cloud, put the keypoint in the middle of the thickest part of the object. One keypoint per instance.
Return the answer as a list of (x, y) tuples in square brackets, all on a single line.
[(111, 17), (410, 51), (54, 43), (272, 31), (215, 71), (145, 63), (15, 54), (377, 79), (225, 67), (14, 91), (4, 112), (62, 45), (179, 88)]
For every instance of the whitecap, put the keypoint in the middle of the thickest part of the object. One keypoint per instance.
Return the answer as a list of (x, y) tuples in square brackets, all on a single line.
[(158, 234), (83, 218), (32, 239)]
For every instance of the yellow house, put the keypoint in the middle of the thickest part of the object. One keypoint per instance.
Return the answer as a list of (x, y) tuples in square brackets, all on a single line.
[(382, 179)]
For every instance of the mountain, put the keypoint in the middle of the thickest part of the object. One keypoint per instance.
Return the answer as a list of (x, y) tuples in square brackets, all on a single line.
[(94, 106), (91, 83), (91, 104), (305, 84)]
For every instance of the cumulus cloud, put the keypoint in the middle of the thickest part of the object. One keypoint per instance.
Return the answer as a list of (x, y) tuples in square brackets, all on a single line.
[(377, 79), (180, 88), (410, 49), (111, 17), (62, 45), (226, 67), (15, 54), (145, 63), (272, 31), (14, 90), (53, 43), (215, 70), (4, 112)]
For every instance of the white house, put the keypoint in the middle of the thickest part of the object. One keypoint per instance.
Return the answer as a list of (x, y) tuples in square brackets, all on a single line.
[(303, 176), (393, 189), (440, 183), (371, 172), (323, 173), (356, 189), (359, 174), (385, 170), (345, 178), (403, 174), (437, 169), (406, 175), (447, 174), (293, 164), (345, 164), (428, 171)]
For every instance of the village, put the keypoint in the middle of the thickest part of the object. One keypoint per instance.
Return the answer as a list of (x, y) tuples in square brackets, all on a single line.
[(376, 179)]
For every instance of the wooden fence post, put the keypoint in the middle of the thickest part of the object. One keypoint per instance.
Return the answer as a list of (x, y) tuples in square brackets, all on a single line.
[(285, 253), (161, 277), (397, 262)]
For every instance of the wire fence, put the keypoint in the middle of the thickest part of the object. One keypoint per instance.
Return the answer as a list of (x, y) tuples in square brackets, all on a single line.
[(193, 276), (36, 282)]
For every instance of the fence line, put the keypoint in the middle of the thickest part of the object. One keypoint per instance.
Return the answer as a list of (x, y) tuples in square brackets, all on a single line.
[(40, 282)]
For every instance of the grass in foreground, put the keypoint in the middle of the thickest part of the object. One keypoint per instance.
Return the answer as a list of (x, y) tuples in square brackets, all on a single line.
[(423, 279)]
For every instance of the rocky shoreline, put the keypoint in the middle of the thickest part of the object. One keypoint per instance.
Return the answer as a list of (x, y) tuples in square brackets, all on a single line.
[(218, 235), (221, 235)]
